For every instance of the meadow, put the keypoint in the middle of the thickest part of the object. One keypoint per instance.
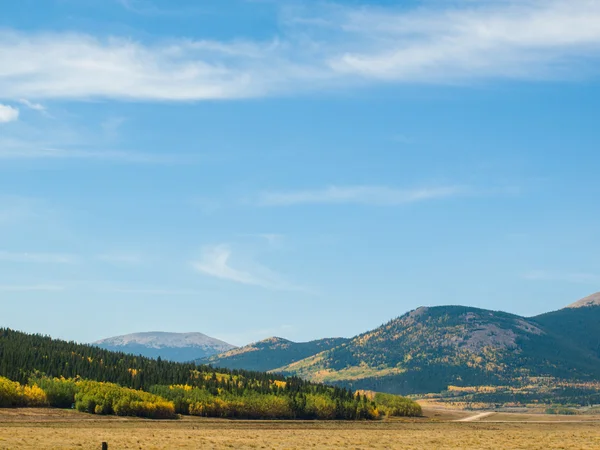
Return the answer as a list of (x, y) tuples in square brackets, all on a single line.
[(34, 428)]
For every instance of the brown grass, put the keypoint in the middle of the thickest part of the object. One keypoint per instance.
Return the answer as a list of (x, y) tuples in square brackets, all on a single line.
[(51, 429)]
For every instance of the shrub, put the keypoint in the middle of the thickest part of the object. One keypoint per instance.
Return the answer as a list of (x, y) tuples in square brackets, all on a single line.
[(397, 406), (60, 392), (108, 398), (12, 394)]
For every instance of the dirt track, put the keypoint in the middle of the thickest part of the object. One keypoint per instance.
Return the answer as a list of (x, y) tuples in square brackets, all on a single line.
[(475, 417)]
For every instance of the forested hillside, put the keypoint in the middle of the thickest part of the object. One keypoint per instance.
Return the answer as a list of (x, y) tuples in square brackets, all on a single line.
[(429, 349), (39, 371), (22, 354), (270, 353), (580, 325)]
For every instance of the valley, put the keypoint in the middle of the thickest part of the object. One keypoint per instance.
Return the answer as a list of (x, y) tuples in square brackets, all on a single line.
[(440, 429)]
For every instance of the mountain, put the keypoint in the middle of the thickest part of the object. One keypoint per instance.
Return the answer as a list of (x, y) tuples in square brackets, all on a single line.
[(179, 347), (578, 322), (431, 348), (270, 353), (592, 300)]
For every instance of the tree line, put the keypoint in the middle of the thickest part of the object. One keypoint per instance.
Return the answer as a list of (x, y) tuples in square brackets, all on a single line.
[(40, 371)]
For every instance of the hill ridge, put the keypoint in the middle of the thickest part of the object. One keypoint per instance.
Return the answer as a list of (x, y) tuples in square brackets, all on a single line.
[(590, 300), (431, 347), (180, 347)]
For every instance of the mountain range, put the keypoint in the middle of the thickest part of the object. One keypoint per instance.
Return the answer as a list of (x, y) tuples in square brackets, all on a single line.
[(431, 348), (178, 347), (270, 353), (422, 351)]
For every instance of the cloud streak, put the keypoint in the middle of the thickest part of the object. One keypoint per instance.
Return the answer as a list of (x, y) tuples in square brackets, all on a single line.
[(34, 106), (152, 291), (38, 258), (510, 39), (30, 288), (362, 195), (22, 149), (216, 261), (16, 209), (129, 259), (318, 47), (568, 277)]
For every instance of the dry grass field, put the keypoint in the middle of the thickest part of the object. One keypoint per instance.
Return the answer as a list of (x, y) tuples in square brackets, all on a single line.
[(53, 429)]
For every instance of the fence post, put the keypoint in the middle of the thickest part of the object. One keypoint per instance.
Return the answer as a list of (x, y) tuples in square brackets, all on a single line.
[(105, 446)]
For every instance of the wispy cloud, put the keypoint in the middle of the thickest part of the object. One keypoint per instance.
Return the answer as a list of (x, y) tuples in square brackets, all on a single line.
[(38, 258), (152, 291), (30, 288), (129, 259), (509, 39), (402, 139), (34, 106), (14, 209), (365, 195), (24, 149), (216, 261), (273, 239), (8, 113), (568, 277), (320, 46), (111, 126), (148, 8)]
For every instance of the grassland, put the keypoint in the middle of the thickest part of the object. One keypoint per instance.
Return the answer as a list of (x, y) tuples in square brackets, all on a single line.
[(56, 429)]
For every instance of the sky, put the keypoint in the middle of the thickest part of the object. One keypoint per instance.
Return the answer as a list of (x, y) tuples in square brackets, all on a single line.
[(303, 169)]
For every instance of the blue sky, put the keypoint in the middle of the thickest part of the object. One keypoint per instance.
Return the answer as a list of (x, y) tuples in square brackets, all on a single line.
[(247, 169)]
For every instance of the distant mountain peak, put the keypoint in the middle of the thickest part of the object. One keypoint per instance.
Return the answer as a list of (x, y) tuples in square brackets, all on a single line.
[(162, 339), (270, 353), (591, 300), (174, 346), (275, 340)]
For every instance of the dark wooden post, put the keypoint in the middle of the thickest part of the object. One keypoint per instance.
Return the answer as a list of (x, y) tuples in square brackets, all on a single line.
[(105, 446)]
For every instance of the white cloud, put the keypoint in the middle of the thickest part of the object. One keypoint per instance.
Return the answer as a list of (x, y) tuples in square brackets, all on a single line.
[(31, 105), (38, 258), (8, 113), (568, 277), (512, 39), (366, 195), (82, 66), (318, 47), (216, 261)]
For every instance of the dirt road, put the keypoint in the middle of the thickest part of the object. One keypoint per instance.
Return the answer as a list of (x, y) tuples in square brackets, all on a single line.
[(475, 417)]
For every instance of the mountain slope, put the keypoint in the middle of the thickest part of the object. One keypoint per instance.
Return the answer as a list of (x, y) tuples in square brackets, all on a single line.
[(179, 347), (430, 348), (270, 353), (578, 323), (591, 300)]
